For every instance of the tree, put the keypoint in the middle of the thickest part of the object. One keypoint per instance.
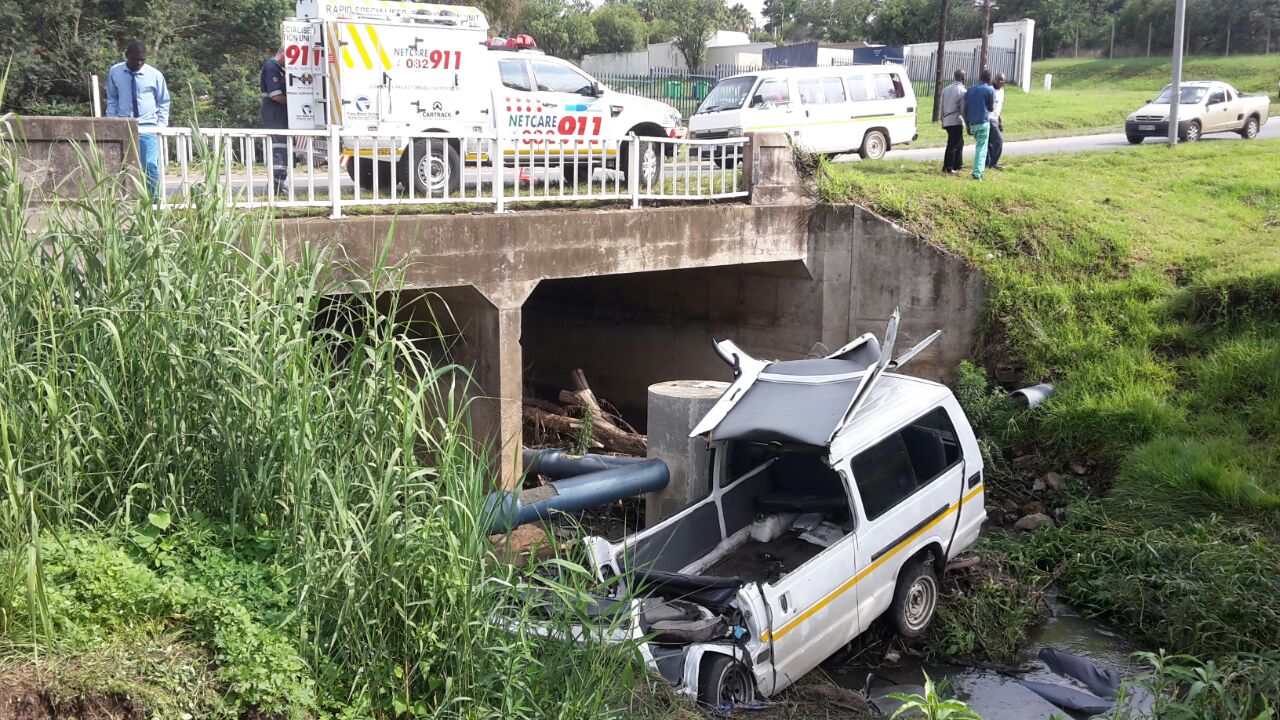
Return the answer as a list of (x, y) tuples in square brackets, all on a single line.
[(695, 20), (619, 28), (777, 13), (561, 29)]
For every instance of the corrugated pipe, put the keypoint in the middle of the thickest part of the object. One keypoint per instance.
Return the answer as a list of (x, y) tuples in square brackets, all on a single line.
[(507, 510), (1032, 396), (558, 464)]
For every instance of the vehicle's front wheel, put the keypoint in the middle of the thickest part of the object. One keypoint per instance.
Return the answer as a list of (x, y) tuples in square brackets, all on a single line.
[(1250, 130), (724, 681), (915, 599), (1192, 132), (1134, 139), (874, 145), (576, 171), (648, 152)]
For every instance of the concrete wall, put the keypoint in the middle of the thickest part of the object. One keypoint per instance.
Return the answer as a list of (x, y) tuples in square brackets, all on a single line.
[(665, 56), (1019, 34), (628, 332), (48, 150)]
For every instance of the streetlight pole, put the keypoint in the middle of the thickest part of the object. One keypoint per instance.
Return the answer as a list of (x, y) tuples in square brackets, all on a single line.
[(938, 58), (1175, 90), (986, 30)]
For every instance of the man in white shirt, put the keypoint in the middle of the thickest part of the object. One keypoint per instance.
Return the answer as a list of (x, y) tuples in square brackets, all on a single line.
[(952, 113), (995, 141)]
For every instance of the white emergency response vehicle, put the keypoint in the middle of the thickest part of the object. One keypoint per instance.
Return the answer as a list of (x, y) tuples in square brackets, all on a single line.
[(390, 67), (830, 110)]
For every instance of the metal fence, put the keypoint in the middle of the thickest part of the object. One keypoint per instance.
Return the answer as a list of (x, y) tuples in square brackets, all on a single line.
[(335, 170), (921, 67)]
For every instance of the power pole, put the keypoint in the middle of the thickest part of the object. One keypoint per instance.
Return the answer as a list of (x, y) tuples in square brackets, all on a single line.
[(1175, 90), (938, 59), (986, 30), (1076, 54), (1111, 54), (1148, 39)]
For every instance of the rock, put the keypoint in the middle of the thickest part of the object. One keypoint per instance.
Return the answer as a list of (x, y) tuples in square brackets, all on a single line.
[(1022, 463), (995, 515), (1010, 518), (1060, 514), (525, 540), (1033, 521), (1009, 506), (1079, 468), (892, 656), (1033, 507), (1055, 481), (1038, 486)]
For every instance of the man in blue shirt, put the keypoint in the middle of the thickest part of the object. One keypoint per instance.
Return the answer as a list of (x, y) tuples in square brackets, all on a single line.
[(979, 101), (138, 90), (275, 116)]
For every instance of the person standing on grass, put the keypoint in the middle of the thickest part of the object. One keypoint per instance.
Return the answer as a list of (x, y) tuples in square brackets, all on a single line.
[(138, 90), (979, 100), (275, 116), (952, 111), (995, 141)]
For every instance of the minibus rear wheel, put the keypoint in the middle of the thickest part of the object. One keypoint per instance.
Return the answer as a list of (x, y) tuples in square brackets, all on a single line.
[(874, 145)]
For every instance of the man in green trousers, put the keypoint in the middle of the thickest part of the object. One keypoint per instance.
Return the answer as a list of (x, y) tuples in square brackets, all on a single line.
[(979, 101)]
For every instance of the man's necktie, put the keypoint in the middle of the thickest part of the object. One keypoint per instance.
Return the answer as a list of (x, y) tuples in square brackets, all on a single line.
[(134, 77)]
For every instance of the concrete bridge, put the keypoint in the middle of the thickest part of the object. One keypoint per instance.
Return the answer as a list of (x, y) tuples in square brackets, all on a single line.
[(636, 297)]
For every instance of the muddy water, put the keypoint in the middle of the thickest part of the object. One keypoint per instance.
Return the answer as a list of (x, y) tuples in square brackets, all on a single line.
[(998, 696)]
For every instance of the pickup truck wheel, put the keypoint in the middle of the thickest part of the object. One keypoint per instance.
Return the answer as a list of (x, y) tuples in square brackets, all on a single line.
[(724, 680), (1193, 132), (1250, 129), (915, 600), (1134, 139), (576, 171), (874, 145), (649, 162)]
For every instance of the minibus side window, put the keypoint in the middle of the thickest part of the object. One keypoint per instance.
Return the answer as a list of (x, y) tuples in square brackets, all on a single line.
[(774, 91), (857, 87), (888, 86)]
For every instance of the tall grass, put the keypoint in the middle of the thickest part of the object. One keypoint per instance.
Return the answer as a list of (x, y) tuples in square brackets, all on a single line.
[(170, 370)]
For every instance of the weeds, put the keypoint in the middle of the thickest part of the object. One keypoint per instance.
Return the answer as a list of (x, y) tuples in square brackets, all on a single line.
[(931, 705)]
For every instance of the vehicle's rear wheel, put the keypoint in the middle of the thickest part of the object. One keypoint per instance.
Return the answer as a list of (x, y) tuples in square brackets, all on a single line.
[(915, 599), (1192, 132), (1134, 139), (436, 167), (724, 681), (1250, 130), (576, 171), (361, 171), (874, 145)]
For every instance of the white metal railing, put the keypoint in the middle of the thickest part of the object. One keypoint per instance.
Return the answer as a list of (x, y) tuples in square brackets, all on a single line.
[(337, 170)]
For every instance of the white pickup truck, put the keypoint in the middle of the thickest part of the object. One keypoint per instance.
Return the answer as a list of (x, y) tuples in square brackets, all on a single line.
[(839, 492), (1205, 107)]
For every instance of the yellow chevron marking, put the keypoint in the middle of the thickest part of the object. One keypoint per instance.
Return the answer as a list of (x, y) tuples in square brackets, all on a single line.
[(364, 54), (377, 45)]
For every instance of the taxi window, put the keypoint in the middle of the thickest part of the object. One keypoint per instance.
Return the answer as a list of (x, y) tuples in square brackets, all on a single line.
[(515, 75), (857, 87), (774, 91), (821, 91), (554, 77), (888, 86)]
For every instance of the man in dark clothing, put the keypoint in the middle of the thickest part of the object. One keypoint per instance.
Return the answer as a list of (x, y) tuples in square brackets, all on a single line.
[(995, 142), (275, 116), (979, 101), (952, 112)]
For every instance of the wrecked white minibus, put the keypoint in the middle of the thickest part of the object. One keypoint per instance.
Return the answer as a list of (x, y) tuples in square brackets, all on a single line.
[(839, 492)]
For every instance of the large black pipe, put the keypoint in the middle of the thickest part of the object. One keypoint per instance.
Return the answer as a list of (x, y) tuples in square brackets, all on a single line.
[(558, 464), (507, 510)]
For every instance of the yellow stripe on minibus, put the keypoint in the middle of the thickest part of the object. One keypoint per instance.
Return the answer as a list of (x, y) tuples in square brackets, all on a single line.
[(813, 609)]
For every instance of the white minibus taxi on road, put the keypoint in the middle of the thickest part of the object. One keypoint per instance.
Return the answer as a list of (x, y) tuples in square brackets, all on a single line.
[(830, 110)]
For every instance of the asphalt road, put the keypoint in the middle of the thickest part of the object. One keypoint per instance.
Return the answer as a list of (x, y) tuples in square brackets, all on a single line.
[(1078, 143)]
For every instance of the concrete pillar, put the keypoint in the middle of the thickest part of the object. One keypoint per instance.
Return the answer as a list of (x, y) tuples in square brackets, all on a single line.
[(675, 407), (771, 171)]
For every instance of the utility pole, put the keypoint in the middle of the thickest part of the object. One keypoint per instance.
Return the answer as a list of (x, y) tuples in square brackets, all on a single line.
[(1175, 90), (938, 59), (1111, 54), (986, 30), (1148, 39), (1076, 54)]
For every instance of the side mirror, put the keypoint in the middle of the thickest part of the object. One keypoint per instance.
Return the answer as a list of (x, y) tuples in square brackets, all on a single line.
[(757, 101), (596, 90)]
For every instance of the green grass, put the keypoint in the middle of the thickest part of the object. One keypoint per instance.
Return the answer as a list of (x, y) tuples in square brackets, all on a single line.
[(1095, 96), (254, 496), (1146, 286)]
